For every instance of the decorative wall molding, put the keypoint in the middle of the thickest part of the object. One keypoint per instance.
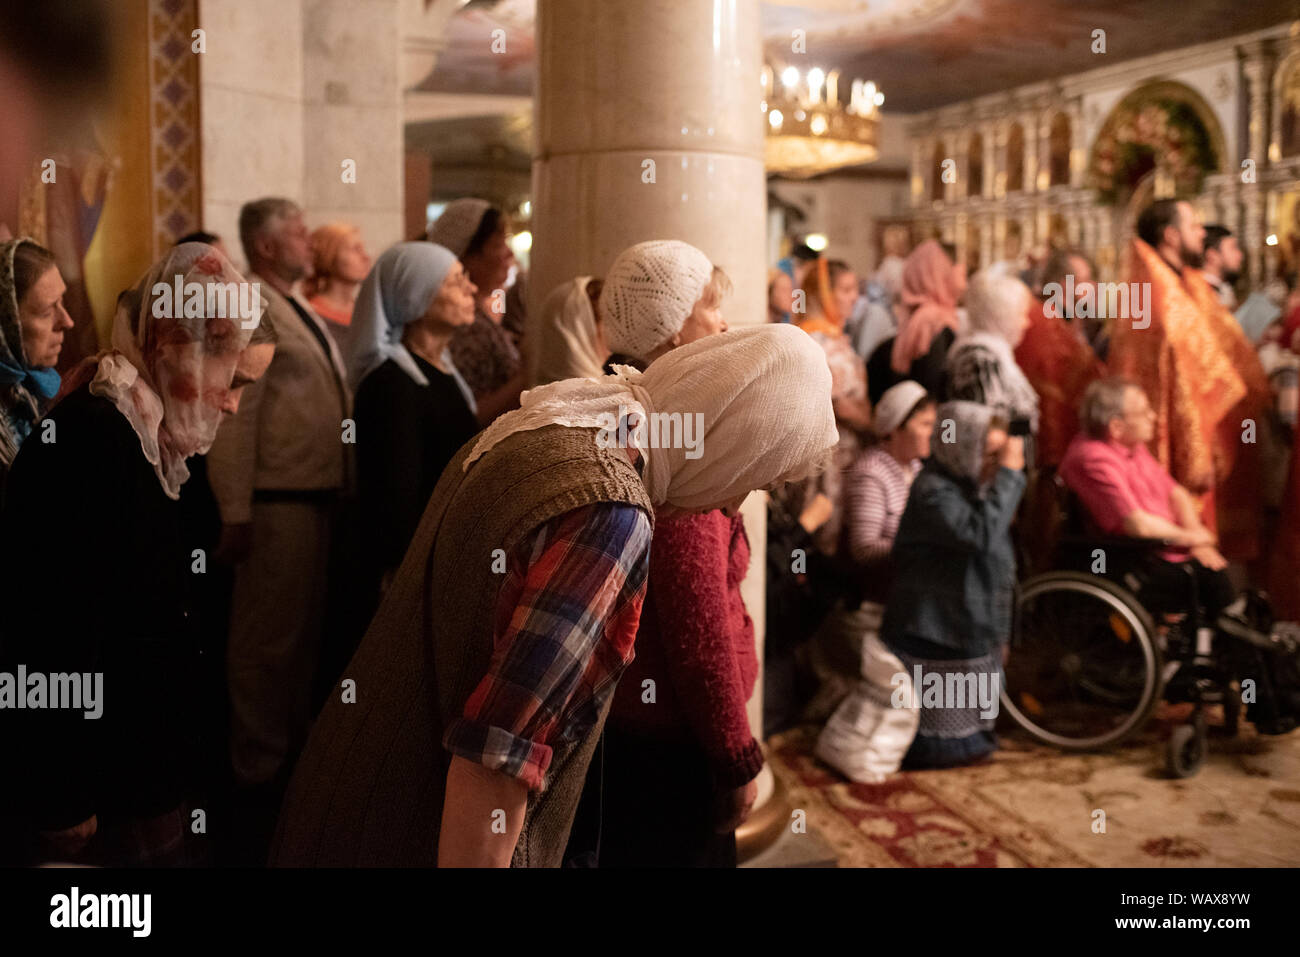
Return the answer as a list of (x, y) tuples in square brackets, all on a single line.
[(175, 147)]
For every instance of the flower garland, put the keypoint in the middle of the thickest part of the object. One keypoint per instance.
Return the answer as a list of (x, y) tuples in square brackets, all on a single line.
[(1137, 139)]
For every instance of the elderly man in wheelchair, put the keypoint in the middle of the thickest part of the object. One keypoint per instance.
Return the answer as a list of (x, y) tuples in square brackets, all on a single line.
[(1143, 608)]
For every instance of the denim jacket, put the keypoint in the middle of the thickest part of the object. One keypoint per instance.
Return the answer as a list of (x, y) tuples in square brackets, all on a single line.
[(954, 567)]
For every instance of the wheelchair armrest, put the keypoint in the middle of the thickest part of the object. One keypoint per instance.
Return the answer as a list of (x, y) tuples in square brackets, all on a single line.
[(1128, 543)]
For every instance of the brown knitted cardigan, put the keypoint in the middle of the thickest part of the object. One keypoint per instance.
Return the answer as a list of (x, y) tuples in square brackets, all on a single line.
[(368, 789)]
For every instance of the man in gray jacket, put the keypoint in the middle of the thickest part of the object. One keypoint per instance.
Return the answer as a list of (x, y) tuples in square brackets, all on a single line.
[(277, 470)]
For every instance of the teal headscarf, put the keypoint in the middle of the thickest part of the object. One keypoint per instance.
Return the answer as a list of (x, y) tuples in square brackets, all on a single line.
[(23, 387)]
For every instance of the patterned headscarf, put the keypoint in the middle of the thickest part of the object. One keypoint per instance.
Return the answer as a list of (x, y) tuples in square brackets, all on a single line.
[(170, 364), (22, 386)]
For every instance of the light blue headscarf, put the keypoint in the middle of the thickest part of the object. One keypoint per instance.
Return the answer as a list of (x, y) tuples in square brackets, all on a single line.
[(397, 292)]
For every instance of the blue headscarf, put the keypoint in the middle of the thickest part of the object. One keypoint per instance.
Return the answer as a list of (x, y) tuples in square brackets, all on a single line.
[(23, 387), (397, 292)]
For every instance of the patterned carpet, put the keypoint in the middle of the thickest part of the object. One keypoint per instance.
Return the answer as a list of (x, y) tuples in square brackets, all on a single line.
[(1033, 806)]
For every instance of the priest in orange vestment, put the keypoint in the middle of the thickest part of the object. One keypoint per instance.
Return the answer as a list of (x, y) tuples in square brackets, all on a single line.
[(1056, 357), (1193, 362)]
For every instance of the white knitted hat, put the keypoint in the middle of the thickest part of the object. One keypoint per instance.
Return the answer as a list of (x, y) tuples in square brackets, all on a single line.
[(649, 293), (458, 224), (898, 400)]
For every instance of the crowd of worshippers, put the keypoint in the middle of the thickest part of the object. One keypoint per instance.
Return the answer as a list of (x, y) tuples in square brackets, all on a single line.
[(368, 583)]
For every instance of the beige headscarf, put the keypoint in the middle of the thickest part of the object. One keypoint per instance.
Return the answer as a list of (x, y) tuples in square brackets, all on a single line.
[(764, 393), (565, 341)]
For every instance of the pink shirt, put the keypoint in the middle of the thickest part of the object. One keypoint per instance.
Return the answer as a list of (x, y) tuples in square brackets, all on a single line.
[(1112, 482)]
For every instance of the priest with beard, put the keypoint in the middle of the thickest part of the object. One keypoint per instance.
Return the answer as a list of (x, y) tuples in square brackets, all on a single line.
[(1204, 379), (1222, 264)]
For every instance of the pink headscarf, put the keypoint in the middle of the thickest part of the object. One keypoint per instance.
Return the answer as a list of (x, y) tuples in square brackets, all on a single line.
[(930, 292)]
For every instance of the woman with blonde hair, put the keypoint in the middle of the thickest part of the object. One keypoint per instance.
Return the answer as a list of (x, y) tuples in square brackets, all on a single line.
[(339, 264)]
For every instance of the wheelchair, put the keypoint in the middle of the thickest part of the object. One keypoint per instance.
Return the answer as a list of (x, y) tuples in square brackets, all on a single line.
[(1088, 663)]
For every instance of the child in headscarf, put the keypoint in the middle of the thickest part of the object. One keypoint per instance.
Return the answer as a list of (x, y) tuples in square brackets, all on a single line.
[(111, 790), (949, 612)]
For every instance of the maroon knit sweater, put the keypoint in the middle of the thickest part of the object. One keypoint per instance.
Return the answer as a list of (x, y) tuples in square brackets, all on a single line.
[(696, 642)]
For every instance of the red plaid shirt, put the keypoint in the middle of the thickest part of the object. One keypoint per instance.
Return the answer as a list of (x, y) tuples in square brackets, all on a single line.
[(566, 620)]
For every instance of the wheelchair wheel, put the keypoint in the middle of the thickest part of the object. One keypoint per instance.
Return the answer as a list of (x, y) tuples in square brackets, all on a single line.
[(1083, 671), (1185, 749)]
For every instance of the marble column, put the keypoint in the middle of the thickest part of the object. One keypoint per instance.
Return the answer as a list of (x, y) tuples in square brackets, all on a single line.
[(251, 96), (918, 173), (960, 190), (1000, 136), (1043, 180), (1078, 146), (648, 126), (1029, 123), (989, 131), (352, 116), (302, 99), (1258, 72), (1252, 236)]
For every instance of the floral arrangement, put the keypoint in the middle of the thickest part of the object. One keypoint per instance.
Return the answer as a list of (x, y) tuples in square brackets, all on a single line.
[(1137, 139)]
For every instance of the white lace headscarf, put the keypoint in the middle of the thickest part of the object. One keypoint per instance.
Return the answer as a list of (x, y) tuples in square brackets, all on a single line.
[(764, 394), (169, 373)]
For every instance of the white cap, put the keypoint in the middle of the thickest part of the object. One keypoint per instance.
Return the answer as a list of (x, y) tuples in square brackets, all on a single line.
[(891, 411), (649, 294)]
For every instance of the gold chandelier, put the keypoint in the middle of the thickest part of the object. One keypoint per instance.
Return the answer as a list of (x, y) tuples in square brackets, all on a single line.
[(810, 130)]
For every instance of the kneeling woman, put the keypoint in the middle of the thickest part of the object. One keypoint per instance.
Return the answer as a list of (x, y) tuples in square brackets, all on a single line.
[(949, 611)]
